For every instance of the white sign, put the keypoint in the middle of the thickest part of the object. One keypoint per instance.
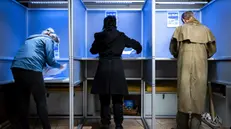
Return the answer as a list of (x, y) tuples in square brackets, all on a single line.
[(173, 19), (56, 50), (111, 13)]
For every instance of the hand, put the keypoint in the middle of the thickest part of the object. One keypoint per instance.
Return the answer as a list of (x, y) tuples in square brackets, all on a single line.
[(138, 52), (61, 67)]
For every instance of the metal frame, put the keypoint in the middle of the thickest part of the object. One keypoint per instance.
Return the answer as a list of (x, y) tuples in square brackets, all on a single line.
[(153, 122), (71, 63)]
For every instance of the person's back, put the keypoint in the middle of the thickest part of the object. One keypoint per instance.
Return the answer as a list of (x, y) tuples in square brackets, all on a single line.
[(27, 68), (112, 43), (35, 53), (109, 81), (192, 44)]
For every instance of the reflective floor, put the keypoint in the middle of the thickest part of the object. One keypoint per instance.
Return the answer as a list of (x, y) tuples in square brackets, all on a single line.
[(94, 124)]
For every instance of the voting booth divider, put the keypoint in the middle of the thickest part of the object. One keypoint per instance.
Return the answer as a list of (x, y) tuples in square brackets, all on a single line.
[(151, 75)]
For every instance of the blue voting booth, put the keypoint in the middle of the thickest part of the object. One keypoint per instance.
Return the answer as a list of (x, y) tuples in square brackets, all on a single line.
[(151, 75)]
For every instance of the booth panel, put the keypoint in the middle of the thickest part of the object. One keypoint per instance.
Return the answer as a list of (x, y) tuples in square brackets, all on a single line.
[(148, 65), (79, 28), (132, 69), (147, 30), (147, 71), (78, 71), (164, 33), (220, 9), (222, 72), (147, 41), (13, 34), (38, 20), (221, 29), (166, 69), (128, 22), (58, 103)]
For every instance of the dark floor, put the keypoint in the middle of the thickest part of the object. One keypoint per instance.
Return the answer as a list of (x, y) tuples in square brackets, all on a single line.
[(95, 124)]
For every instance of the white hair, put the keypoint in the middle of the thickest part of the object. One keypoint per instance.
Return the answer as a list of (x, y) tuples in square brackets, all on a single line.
[(48, 31), (55, 37)]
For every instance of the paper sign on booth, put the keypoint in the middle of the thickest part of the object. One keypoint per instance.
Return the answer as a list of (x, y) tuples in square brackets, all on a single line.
[(173, 19)]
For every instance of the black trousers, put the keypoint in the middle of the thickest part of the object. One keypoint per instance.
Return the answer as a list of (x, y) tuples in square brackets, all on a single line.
[(117, 101), (26, 83)]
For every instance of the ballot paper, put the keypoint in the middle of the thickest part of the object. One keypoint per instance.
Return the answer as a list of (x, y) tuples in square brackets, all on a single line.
[(128, 52), (48, 71)]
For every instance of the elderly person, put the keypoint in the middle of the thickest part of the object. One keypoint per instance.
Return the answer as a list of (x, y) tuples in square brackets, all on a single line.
[(110, 81), (192, 44), (27, 67)]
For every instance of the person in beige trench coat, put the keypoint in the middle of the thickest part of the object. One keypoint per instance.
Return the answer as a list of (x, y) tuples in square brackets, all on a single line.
[(192, 44)]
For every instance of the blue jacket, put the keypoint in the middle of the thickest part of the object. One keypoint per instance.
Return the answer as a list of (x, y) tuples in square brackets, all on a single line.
[(35, 53)]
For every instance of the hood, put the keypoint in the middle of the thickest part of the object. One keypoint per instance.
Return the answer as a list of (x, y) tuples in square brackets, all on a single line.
[(37, 35), (107, 35)]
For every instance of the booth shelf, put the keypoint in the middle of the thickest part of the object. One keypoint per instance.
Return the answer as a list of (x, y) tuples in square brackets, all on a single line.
[(125, 58), (126, 79)]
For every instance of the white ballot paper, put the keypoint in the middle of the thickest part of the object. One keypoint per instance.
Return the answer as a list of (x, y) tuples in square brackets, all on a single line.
[(128, 52), (48, 71)]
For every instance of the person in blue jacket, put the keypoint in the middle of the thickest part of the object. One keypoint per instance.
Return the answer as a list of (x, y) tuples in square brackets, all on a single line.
[(27, 67)]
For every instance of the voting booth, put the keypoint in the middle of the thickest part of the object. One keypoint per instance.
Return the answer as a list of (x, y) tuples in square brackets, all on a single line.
[(20, 19), (136, 22), (168, 17), (151, 75)]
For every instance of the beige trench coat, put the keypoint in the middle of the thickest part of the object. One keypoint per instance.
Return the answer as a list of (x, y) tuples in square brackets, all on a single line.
[(192, 44)]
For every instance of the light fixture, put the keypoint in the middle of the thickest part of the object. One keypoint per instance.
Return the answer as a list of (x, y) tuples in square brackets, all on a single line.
[(185, 3), (48, 2), (118, 2)]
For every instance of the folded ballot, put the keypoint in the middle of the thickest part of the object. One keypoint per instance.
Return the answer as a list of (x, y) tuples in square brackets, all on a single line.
[(128, 52), (48, 71)]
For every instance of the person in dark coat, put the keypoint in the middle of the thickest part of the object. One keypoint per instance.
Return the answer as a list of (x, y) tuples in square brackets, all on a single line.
[(110, 81)]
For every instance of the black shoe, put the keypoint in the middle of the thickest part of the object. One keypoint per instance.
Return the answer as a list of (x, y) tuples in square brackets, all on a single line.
[(119, 127)]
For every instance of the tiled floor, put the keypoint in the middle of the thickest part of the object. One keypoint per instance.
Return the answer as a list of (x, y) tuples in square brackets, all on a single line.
[(94, 124)]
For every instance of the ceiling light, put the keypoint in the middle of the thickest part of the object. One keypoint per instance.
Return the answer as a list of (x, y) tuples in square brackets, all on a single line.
[(118, 2), (48, 2), (187, 3)]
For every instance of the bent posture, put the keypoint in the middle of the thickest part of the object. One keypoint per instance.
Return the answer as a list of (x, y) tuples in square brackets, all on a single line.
[(27, 70), (192, 44), (110, 79)]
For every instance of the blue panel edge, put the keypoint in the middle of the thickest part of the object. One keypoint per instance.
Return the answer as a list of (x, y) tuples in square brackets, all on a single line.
[(6, 82), (144, 4), (211, 2), (16, 2)]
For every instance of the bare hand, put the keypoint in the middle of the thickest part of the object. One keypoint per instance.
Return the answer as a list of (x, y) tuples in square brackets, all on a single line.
[(61, 67)]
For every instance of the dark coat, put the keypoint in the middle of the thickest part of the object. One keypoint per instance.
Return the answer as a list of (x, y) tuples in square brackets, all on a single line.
[(110, 77)]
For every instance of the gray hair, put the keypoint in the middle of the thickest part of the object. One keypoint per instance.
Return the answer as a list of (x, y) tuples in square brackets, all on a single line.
[(55, 37), (48, 31)]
